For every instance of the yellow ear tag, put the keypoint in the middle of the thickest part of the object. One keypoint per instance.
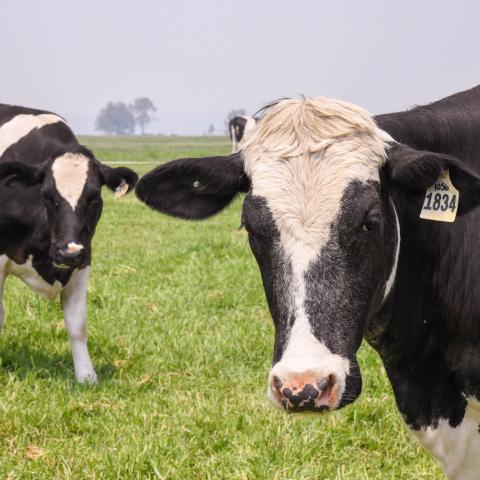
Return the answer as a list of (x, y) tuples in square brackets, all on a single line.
[(122, 189), (441, 200)]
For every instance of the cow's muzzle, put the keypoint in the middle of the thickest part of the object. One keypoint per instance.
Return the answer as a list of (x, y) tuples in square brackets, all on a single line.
[(69, 255), (303, 392)]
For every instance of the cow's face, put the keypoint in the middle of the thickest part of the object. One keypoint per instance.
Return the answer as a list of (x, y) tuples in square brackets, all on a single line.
[(70, 185), (323, 234), (322, 227)]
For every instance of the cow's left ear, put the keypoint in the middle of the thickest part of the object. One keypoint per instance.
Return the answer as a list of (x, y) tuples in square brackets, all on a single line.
[(121, 179), (18, 175), (415, 170)]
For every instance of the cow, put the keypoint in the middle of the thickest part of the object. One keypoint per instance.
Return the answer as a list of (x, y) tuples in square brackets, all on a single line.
[(50, 204), (362, 227), (240, 130)]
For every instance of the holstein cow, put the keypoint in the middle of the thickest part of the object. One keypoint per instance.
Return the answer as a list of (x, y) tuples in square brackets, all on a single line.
[(240, 130), (50, 203), (333, 212)]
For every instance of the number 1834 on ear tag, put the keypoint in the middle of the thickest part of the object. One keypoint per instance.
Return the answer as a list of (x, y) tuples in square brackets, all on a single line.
[(441, 200)]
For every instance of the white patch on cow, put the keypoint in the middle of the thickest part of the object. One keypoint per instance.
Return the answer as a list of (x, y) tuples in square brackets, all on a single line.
[(300, 158), (27, 273), (21, 125), (234, 138), (393, 273), (70, 174), (457, 449), (3, 276), (74, 304), (73, 247), (250, 125)]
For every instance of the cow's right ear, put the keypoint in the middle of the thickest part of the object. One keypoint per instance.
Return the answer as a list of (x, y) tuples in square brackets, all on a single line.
[(194, 188), (17, 174)]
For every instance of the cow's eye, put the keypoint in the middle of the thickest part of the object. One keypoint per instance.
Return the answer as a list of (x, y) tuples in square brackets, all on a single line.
[(371, 221)]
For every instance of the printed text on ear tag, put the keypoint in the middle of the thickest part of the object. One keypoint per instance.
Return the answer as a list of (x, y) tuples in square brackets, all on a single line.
[(122, 189), (441, 200)]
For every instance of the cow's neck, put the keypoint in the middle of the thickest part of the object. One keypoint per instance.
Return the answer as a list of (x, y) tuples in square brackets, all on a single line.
[(451, 126)]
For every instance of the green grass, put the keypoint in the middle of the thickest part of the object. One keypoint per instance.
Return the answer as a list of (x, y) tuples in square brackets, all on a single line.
[(182, 341)]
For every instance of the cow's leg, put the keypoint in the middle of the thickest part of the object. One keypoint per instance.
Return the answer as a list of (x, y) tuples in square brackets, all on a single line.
[(3, 276), (456, 448), (74, 304)]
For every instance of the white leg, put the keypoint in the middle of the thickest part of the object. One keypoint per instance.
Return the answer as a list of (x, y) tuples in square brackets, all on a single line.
[(3, 276), (74, 304)]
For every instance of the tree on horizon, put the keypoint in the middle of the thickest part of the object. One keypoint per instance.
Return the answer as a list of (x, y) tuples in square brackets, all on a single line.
[(115, 119), (141, 108)]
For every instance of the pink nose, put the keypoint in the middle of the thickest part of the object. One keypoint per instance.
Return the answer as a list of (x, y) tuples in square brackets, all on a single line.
[(306, 392)]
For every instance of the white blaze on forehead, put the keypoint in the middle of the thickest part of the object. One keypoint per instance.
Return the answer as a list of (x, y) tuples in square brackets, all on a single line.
[(302, 156), (21, 125), (70, 174)]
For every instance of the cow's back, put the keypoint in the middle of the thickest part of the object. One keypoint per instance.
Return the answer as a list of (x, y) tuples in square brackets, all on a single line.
[(31, 136)]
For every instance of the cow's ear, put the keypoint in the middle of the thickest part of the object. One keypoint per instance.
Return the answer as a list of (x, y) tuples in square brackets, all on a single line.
[(414, 171), (121, 179), (194, 188), (17, 174)]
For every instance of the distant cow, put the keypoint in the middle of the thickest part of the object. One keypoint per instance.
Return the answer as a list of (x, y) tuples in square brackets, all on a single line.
[(240, 129), (50, 203), (352, 222)]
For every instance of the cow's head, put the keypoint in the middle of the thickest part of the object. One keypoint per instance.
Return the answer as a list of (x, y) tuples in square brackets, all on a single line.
[(70, 183), (322, 226)]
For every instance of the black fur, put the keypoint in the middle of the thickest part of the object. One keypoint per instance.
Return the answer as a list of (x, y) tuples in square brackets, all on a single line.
[(193, 188)]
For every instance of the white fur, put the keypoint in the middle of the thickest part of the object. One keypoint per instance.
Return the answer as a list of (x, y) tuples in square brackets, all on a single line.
[(73, 247), (457, 449), (70, 174), (250, 125), (234, 139), (73, 303), (29, 276), (3, 276), (74, 297), (393, 273), (21, 125)]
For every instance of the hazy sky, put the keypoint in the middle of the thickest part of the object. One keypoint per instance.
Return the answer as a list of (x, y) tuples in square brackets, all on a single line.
[(198, 59)]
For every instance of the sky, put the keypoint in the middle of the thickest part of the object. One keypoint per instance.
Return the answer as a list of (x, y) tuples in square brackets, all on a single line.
[(197, 60)]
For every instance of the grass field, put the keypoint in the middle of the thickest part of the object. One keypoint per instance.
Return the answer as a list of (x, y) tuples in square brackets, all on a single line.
[(182, 341)]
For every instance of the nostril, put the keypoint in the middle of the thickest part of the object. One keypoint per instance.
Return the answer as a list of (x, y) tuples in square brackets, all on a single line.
[(277, 383), (323, 384)]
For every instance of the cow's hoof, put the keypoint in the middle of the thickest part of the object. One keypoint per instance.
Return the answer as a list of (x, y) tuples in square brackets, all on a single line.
[(87, 378)]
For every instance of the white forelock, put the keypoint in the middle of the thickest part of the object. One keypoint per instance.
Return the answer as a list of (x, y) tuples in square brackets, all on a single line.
[(302, 156)]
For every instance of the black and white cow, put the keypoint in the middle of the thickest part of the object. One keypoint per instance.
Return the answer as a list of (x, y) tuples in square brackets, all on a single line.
[(240, 130), (333, 217), (50, 203)]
